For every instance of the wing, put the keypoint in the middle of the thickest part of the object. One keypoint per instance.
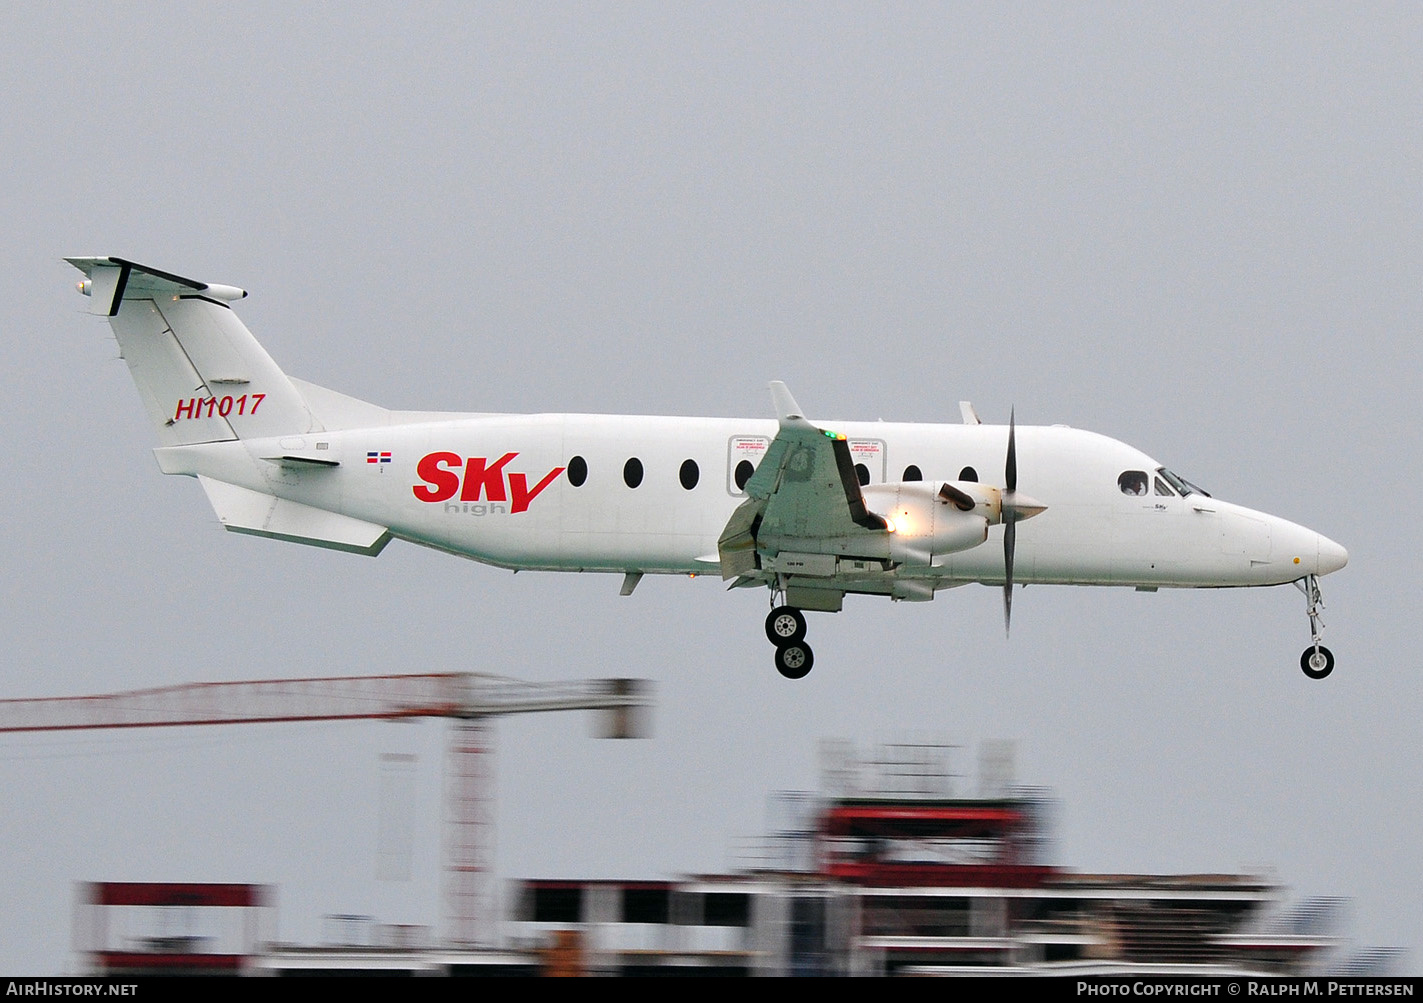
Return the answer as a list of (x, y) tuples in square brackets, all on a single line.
[(804, 498)]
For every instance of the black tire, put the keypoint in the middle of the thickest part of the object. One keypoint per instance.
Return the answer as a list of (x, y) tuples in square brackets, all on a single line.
[(785, 625), (1317, 663), (794, 661)]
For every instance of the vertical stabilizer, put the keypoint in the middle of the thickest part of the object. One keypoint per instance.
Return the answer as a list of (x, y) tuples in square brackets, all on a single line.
[(200, 373)]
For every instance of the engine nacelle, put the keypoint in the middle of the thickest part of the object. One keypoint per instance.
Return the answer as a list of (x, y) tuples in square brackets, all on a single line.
[(970, 496), (928, 522)]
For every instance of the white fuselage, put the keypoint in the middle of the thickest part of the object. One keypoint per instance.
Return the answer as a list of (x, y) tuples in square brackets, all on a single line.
[(811, 511), (439, 481)]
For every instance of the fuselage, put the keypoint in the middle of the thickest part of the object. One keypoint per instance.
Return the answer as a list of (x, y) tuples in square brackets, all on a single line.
[(620, 493), (774, 504)]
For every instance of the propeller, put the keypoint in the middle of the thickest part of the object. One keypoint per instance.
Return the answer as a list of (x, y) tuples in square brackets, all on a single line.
[(1015, 507), (1010, 522)]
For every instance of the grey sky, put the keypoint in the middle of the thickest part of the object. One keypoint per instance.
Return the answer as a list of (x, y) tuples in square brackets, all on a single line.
[(1197, 231)]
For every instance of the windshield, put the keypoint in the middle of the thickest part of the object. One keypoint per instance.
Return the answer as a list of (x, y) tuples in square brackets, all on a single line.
[(1182, 485)]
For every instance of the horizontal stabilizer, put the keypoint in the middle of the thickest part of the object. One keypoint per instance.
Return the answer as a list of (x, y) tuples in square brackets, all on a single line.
[(108, 280), (295, 461), (258, 514)]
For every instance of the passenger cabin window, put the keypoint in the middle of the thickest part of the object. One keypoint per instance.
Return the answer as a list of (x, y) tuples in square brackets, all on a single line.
[(862, 474), (632, 472), (689, 474), (913, 473), (577, 471), (1132, 482), (744, 470), (968, 474)]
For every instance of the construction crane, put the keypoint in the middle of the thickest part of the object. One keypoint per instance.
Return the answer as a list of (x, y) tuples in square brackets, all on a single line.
[(471, 700)]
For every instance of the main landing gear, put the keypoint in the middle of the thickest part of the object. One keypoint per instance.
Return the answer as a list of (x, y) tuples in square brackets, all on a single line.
[(785, 627), (1317, 660)]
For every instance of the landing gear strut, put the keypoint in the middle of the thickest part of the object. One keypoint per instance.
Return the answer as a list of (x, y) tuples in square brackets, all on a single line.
[(785, 628), (1317, 660)]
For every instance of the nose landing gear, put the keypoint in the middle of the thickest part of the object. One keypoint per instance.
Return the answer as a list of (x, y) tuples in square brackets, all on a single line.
[(1317, 660)]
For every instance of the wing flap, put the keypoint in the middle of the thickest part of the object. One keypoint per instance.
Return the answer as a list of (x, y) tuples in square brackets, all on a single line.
[(737, 545)]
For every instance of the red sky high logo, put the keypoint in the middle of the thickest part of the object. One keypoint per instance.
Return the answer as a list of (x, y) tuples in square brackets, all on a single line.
[(476, 479)]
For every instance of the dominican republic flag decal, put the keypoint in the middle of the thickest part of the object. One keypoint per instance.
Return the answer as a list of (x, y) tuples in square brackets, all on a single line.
[(377, 457)]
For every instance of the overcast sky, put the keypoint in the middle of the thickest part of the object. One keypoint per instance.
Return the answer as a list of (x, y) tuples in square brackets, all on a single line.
[(1195, 230)]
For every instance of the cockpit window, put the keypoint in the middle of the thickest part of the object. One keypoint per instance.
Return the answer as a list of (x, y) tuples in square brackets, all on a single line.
[(1132, 482), (1162, 489), (1182, 486)]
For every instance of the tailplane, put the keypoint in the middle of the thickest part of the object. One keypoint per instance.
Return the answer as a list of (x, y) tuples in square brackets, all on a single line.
[(201, 374)]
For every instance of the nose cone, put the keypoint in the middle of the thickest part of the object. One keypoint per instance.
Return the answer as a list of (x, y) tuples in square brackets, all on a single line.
[(1019, 506), (1332, 557), (1297, 551)]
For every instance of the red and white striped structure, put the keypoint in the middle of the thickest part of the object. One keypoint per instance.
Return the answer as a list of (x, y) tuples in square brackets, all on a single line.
[(470, 698)]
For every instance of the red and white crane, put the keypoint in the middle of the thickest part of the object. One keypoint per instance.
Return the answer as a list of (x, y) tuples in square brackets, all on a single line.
[(470, 699)]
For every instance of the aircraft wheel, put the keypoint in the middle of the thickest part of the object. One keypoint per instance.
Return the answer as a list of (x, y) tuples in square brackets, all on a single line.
[(785, 625), (1317, 662), (794, 660)]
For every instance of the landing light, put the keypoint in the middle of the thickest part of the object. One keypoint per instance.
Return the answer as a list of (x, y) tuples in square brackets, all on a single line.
[(889, 525)]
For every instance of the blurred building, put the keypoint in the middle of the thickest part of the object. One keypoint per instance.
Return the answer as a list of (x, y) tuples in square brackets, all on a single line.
[(888, 870)]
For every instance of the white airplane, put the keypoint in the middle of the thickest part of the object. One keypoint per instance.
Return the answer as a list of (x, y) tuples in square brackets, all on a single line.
[(812, 513)]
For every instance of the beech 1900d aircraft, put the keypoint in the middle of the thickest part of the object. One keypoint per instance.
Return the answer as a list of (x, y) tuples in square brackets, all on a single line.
[(812, 513)]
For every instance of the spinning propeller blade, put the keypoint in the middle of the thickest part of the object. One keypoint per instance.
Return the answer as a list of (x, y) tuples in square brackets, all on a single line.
[(1016, 507), (1010, 521)]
